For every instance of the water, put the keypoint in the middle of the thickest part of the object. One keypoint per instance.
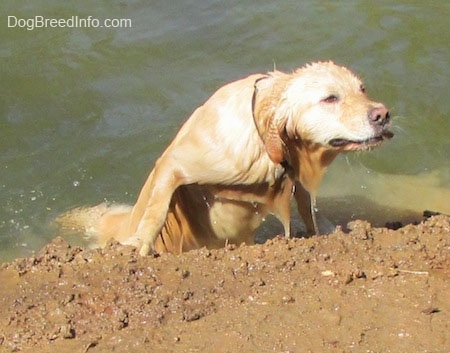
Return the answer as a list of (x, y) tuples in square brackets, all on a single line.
[(84, 112)]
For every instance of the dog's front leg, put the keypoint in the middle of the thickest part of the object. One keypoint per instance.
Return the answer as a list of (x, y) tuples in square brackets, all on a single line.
[(305, 206), (150, 211)]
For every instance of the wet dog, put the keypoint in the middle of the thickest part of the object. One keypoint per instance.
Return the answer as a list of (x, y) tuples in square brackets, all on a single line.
[(242, 155)]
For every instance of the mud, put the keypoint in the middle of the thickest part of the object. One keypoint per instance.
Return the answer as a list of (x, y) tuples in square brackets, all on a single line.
[(367, 290)]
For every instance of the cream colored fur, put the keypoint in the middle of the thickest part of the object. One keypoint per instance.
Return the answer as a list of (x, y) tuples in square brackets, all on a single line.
[(242, 155)]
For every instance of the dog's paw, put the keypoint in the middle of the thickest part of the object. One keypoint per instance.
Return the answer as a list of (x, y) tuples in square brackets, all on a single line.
[(145, 248)]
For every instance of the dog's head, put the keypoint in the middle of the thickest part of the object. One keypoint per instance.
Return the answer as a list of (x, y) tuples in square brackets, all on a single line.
[(313, 114)]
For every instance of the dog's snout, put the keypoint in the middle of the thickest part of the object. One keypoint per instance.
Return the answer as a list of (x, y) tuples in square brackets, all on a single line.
[(379, 115)]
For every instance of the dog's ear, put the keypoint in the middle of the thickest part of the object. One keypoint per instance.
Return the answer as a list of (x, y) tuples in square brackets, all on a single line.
[(270, 119)]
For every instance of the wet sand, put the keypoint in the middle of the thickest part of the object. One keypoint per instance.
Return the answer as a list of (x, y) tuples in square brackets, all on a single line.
[(365, 290)]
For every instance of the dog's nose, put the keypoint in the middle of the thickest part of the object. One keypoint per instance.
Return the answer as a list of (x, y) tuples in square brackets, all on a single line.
[(379, 115)]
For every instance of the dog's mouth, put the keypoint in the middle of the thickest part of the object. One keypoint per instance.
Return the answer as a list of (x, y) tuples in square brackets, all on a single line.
[(351, 145)]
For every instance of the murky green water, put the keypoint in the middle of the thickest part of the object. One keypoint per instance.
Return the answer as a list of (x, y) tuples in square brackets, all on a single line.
[(84, 112)]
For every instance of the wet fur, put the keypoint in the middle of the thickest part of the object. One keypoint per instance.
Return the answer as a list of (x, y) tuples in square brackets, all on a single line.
[(240, 156)]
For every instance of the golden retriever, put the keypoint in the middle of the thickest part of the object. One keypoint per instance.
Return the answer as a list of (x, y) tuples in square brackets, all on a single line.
[(242, 155)]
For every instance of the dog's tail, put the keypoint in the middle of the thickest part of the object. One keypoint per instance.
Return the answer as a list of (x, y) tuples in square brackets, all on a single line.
[(96, 224)]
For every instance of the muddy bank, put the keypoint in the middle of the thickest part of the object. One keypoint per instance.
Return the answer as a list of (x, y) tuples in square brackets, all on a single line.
[(368, 290)]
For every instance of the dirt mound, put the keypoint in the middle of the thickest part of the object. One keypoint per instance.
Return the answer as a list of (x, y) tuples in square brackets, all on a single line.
[(369, 290)]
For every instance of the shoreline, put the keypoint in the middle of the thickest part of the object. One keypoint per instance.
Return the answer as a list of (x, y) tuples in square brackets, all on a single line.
[(284, 295)]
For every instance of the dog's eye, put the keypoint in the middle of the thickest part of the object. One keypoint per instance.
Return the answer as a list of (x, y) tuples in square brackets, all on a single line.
[(362, 89), (332, 98)]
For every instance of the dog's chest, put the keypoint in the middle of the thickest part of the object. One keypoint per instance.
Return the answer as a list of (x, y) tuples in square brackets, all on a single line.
[(238, 210)]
